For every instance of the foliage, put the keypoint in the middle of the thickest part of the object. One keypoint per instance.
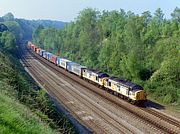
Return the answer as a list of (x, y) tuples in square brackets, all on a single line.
[(3, 28), (23, 29), (7, 41), (19, 86), (141, 48), (19, 119)]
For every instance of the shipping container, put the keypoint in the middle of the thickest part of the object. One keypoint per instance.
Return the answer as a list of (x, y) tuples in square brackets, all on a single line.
[(32, 47), (63, 63), (42, 52), (38, 50), (69, 65), (53, 59), (29, 44), (35, 48), (58, 61), (46, 53), (48, 56), (76, 68)]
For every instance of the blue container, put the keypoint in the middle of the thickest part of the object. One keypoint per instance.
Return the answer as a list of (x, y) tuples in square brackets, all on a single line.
[(58, 61), (42, 52), (46, 55), (49, 55), (69, 65)]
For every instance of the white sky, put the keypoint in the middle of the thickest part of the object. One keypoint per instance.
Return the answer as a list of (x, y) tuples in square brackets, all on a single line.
[(67, 10)]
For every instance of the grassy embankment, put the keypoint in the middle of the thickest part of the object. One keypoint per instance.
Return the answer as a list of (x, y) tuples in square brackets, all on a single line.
[(23, 107), (17, 118)]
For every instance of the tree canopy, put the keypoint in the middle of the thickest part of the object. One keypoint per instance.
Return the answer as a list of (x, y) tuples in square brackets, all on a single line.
[(141, 48)]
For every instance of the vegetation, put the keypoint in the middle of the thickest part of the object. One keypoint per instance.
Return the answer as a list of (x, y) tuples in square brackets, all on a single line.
[(141, 48), (19, 119), (23, 29), (24, 108)]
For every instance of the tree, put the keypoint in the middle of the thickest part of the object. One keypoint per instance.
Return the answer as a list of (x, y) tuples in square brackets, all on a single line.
[(7, 40), (8, 17), (15, 28), (176, 14), (158, 16), (141, 48), (3, 28)]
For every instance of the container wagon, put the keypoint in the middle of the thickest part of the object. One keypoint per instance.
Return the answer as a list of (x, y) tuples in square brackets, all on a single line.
[(64, 62)]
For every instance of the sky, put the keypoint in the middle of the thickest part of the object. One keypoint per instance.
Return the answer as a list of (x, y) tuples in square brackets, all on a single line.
[(68, 10)]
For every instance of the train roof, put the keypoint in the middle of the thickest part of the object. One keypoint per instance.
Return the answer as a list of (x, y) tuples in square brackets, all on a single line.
[(58, 57), (116, 79), (49, 53), (42, 49), (93, 70), (134, 86), (125, 83), (99, 73), (65, 60)]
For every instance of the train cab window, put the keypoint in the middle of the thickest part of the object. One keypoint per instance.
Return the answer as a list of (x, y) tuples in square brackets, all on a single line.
[(109, 84)]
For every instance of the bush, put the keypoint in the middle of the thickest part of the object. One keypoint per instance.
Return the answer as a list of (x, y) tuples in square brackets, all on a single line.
[(167, 99)]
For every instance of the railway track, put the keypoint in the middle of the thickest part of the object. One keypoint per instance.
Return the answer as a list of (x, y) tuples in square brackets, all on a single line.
[(162, 122), (102, 129), (53, 91), (88, 104), (163, 116)]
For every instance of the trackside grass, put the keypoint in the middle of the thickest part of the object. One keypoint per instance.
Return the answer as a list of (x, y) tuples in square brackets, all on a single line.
[(24, 108), (16, 118)]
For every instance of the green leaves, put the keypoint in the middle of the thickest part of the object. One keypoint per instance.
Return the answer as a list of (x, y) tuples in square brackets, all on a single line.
[(143, 49)]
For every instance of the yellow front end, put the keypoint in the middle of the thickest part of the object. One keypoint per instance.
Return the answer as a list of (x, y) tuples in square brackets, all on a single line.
[(140, 95)]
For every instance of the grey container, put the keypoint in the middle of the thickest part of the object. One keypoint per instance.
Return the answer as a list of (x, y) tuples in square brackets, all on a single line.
[(76, 69), (64, 63)]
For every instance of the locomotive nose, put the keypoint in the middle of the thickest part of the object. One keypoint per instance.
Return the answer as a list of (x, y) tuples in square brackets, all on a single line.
[(141, 95)]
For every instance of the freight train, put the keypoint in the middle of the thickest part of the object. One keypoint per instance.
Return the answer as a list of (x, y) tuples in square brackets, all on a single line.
[(132, 92)]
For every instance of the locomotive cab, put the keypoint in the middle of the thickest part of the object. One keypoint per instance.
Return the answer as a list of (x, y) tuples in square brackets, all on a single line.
[(137, 94)]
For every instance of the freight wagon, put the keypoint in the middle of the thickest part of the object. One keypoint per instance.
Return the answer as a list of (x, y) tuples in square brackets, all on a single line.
[(38, 51), (48, 56), (126, 90), (75, 68), (42, 53), (53, 59), (64, 62), (32, 47), (58, 61)]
